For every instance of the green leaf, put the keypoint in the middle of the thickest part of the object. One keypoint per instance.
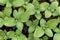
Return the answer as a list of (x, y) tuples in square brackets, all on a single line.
[(45, 38), (38, 32), (14, 38), (9, 22), (29, 23), (17, 3), (1, 22), (49, 32), (2, 2), (24, 17), (38, 16), (2, 35), (35, 23), (55, 13), (19, 26), (57, 30), (30, 36), (1, 14), (58, 10), (48, 14), (22, 37), (42, 22), (54, 5), (31, 29), (52, 23), (18, 32), (10, 34), (8, 4), (21, 10), (56, 36), (16, 15), (7, 11), (35, 3), (30, 9), (44, 6), (36, 38)]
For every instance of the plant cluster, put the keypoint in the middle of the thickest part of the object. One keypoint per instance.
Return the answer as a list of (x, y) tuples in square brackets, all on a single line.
[(46, 23)]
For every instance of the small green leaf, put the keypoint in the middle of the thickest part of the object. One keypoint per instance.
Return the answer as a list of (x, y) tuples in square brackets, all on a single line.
[(10, 34), (56, 36), (45, 38), (2, 35), (14, 38), (35, 23), (54, 5), (1, 14), (29, 23), (24, 17), (38, 32), (57, 30), (16, 15), (1, 22), (17, 3), (22, 37), (30, 9), (44, 6), (42, 22), (9, 22), (31, 29), (7, 11), (48, 14), (8, 4), (36, 3), (52, 23), (19, 25), (38, 16), (2, 2), (58, 10), (49, 32), (18, 32), (21, 11), (55, 13)]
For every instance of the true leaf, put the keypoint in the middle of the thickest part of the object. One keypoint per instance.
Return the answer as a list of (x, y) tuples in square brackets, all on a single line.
[(38, 32), (44, 6), (10, 34), (56, 36), (48, 14), (1, 22), (17, 3), (52, 23), (42, 22), (19, 25), (10, 22), (7, 11), (49, 32)]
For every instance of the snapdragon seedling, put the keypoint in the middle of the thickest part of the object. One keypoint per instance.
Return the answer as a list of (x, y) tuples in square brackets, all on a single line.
[(29, 20)]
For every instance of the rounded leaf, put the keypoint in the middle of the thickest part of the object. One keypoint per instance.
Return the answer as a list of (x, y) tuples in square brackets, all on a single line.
[(1, 22), (48, 14), (7, 11), (56, 36), (38, 32), (48, 32), (9, 22), (19, 26), (17, 3), (52, 24)]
